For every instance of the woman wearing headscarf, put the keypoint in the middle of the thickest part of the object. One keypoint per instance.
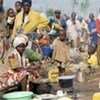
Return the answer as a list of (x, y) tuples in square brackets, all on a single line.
[(15, 63), (18, 65), (28, 21)]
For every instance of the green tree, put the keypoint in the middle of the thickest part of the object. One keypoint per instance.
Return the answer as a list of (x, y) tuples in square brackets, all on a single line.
[(50, 12), (84, 5), (74, 4), (81, 4)]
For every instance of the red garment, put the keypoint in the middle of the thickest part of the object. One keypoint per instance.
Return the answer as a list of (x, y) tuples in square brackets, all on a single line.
[(8, 79), (98, 25)]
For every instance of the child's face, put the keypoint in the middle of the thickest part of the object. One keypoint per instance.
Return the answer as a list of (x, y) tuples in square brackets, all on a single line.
[(11, 13), (21, 48), (62, 36), (51, 38), (91, 50)]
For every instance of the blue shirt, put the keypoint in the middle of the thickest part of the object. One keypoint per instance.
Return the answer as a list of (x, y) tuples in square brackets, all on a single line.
[(47, 51), (91, 26)]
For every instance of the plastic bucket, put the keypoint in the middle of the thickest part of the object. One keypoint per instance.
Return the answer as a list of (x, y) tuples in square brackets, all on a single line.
[(24, 95)]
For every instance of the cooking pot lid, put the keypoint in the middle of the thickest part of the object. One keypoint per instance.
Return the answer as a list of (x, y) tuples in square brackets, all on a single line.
[(67, 77), (46, 96)]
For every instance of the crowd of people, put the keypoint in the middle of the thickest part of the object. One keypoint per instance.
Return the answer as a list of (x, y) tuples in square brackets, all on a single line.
[(33, 37)]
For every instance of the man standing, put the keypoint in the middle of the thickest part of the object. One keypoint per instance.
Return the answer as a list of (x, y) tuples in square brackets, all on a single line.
[(28, 21), (92, 30), (59, 19), (73, 28)]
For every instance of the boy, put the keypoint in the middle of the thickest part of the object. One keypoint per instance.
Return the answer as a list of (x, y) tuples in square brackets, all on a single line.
[(61, 51)]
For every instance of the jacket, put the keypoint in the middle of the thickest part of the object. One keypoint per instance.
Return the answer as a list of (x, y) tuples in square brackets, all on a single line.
[(34, 21)]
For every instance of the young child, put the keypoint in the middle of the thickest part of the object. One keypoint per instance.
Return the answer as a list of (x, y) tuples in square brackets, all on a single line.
[(92, 60), (10, 19), (61, 51), (45, 47)]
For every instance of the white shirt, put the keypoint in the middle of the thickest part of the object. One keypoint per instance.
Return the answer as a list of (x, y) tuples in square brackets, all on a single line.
[(72, 29)]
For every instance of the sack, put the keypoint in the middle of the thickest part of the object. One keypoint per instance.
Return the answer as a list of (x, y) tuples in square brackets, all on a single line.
[(32, 56)]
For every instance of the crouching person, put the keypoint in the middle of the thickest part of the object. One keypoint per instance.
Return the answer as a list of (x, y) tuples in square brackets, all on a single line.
[(18, 64)]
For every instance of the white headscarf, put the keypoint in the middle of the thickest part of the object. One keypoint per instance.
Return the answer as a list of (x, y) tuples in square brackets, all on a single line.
[(24, 36), (19, 40)]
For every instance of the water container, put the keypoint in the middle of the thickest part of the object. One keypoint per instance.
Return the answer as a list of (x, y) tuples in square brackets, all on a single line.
[(96, 96)]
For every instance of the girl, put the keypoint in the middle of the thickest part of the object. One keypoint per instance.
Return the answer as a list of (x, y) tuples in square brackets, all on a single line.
[(10, 19)]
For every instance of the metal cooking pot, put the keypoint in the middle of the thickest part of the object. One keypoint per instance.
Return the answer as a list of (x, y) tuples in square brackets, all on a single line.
[(66, 81)]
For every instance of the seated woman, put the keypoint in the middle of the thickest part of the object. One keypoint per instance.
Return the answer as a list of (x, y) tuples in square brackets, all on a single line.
[(14, 70), (17, 66)]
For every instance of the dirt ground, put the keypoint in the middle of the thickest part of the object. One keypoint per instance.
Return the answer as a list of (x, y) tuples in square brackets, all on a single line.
[(85, 90)]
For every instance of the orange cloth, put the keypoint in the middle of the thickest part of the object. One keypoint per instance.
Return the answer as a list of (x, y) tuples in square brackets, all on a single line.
[(43, 41)]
